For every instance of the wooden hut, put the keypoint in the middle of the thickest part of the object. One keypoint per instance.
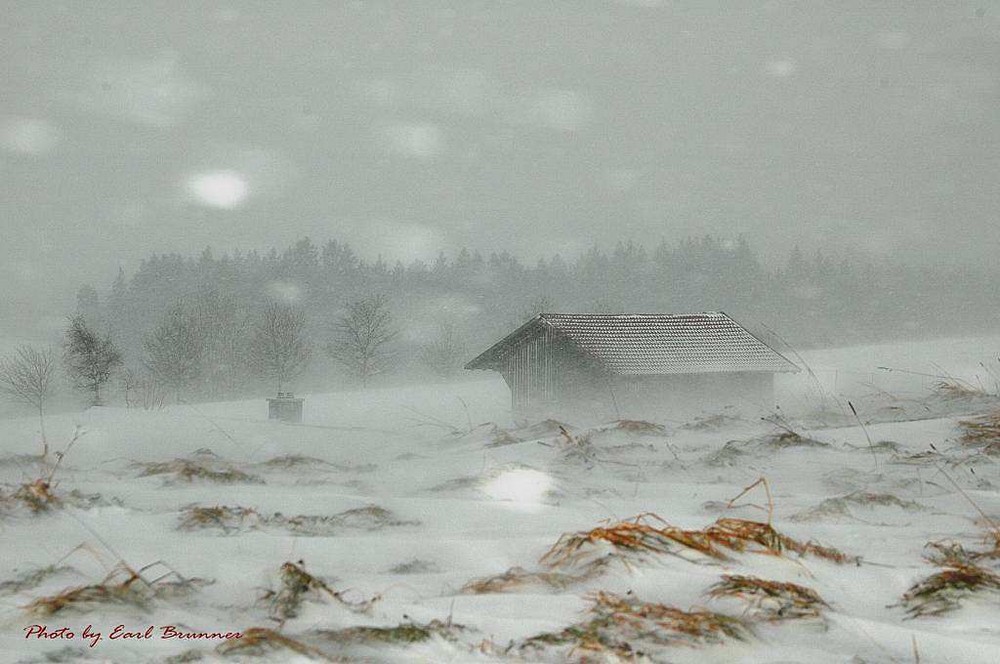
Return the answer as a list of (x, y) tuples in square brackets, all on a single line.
[(634, 365)]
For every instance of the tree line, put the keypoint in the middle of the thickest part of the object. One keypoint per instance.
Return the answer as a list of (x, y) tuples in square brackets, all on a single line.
[(246, 323)]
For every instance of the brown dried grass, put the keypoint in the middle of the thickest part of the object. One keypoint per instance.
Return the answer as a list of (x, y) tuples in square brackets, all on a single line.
[(37, 496), (623, 626), (237, 519), (31, 579), (517, 578), (228, 519), (501, 437), (199, 469), (952, 388), (640, 427), (296, 584), (949, 553), (404, 633), (944, 591), (123, 586), (841, 506), (261, 640), (982, 432), (771, 600), (295, 461), (649, 533), (644, 533)]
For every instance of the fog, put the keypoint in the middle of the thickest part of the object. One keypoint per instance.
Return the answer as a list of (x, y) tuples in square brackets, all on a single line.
[(357, 330), (536, 128)]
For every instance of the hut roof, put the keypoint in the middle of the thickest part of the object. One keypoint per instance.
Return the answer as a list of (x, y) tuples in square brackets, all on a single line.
[(651, 344)]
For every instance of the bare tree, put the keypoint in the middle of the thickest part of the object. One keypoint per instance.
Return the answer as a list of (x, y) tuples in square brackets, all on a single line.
[(90, 359), (26, 376), (224, 327), (363, 333), (141, 390), (444, 353), (279, 349), (174, 351)]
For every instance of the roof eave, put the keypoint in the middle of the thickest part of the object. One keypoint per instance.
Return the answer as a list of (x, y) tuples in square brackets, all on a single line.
[(489, 358)]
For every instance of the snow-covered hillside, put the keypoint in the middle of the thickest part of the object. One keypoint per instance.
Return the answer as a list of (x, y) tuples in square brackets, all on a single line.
[(422, 524)]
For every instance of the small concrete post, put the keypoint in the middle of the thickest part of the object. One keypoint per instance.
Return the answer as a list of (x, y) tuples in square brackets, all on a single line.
[(285, 408)]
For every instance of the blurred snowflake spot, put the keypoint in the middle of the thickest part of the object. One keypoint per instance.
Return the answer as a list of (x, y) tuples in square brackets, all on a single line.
[(29, 136), (523, 486), (220, 189), (781, 68)]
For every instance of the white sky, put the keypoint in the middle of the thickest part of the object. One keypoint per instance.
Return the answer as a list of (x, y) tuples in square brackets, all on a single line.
[(536, 127)]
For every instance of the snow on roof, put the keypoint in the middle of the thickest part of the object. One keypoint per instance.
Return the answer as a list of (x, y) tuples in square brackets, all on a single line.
[(652, 344)]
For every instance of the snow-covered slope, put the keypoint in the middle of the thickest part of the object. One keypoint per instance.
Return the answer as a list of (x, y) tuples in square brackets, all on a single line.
[(392, 508)]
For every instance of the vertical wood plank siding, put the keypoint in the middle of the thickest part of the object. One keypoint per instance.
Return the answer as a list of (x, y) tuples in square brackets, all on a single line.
[(527, 368)]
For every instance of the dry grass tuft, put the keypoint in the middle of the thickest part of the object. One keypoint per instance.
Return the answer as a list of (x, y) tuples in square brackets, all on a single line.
[(640, 427), (712, 422), (370, 517), (201, 467), (261, 640), (789, 436), (841, 506), (757, 537), (983, 433), (771, 600), (297, 584), (953, 388), (649, 533), (31, 579), (789, 439), (228, 519), (949, 553), (644, 533), (238, 519), (944, 591), (37, 496), (415, 566), (403, 633), (625, 627), (123, 586), (500, 437), (730, 454), (543, 429), (517, 578), (294, 461)]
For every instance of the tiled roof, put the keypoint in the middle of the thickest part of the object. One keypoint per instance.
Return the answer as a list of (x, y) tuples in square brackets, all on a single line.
[(648, 344)]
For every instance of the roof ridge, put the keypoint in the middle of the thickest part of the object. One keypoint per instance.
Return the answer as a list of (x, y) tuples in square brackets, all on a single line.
[(633, 314), (651, 343)]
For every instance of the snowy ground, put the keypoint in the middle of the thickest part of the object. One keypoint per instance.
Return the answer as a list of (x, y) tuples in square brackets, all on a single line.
[(407, 495)]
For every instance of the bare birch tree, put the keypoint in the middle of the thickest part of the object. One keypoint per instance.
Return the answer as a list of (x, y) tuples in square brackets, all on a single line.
[(174, 351), (26, 376), (141, 389), (444, 353), (363, 333), (90, 359), (279, 349)]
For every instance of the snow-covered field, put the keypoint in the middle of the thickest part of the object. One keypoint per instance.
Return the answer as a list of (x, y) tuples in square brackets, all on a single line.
[(392, 508)]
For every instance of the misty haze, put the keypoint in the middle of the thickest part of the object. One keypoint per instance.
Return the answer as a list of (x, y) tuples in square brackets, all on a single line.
[(624, 330)]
